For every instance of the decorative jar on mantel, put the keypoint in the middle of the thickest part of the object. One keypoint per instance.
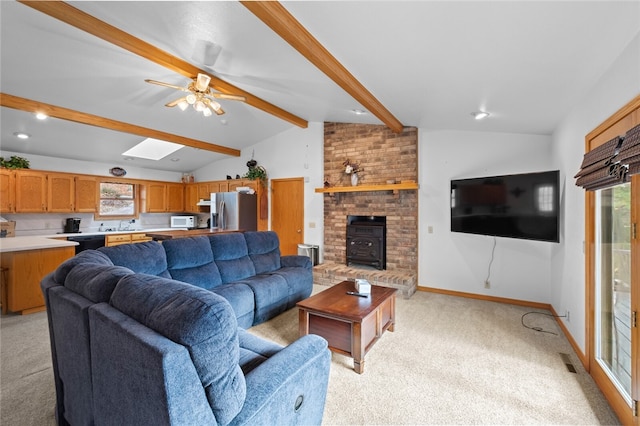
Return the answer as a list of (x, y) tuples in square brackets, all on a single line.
[(354, 179)]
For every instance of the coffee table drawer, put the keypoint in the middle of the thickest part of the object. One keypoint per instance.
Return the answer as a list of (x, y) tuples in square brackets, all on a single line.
[(336, 332)]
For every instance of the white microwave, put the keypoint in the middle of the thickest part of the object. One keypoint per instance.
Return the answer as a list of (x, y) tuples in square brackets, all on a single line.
[(183, 221)]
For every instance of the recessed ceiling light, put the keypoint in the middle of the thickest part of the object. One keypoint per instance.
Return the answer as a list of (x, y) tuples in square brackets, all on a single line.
[(22, 135), (480, 115), (175, 159), (41, 116), (358, 111)]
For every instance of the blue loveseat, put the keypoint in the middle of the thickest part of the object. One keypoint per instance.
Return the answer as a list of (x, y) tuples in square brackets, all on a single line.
[(136, 339)]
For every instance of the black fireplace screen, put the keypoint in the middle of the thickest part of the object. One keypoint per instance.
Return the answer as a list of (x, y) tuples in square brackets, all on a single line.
[(367, 240)]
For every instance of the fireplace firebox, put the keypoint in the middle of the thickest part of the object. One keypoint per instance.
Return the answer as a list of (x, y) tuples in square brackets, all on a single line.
[(367, 240)]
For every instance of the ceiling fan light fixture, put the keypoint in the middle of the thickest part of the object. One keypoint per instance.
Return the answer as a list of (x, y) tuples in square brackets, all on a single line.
[(191, 99), (183, 105), (199, 106), (207, 112), (202, 82)]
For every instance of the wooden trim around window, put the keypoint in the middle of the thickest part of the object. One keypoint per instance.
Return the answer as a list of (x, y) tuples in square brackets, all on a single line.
[(625, 118)]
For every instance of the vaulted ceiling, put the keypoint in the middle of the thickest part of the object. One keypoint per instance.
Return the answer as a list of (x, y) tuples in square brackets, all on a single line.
[(420, 63)]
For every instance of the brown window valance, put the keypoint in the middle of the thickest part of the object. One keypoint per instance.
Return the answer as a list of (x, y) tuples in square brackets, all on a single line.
[(611, 163)]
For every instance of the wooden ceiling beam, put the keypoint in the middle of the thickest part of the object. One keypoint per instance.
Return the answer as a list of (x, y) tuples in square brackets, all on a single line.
[(92, 25), (29, 105), (276, 17)]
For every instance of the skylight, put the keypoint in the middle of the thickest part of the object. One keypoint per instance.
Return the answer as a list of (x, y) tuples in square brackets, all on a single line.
[(153, 149)]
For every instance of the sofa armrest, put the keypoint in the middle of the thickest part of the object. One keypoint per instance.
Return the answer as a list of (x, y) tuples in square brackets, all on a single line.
[(295, 261), (290, 387)]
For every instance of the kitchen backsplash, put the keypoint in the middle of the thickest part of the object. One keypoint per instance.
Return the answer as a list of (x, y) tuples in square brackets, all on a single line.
[(53, 223)]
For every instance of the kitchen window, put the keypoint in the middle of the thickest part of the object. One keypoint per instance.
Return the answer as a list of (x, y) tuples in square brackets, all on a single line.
[(118, 200)]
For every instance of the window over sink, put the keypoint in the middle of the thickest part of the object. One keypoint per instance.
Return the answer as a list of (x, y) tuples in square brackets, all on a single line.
[(118, 200)]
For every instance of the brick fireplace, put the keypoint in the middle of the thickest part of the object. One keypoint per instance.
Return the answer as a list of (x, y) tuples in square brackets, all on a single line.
[(384, 156)]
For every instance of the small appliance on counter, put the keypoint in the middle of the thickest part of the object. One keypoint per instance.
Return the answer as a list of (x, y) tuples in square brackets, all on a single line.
[(183, 222), (72, 225)]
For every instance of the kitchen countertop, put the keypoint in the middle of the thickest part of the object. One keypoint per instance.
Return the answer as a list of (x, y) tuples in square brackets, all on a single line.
[(12, 244), (37, 242), (183, 233)]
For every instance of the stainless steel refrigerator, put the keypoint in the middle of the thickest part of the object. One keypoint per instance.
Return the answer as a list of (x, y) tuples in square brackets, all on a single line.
[(234, 211)]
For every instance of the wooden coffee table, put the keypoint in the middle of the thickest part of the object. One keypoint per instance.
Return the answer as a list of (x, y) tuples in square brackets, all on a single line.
[(350, 324)]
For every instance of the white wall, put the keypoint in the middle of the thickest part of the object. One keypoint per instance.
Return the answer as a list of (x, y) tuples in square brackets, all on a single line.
[(618, 86), (294, 153), (460, 262)]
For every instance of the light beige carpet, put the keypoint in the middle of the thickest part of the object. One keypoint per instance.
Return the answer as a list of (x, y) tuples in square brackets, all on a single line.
[(450, 361), (453, 360)]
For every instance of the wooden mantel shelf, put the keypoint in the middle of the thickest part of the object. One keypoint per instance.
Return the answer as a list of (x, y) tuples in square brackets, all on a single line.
[(395, 187)]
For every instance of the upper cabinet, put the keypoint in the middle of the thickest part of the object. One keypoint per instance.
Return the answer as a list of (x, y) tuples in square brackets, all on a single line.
[(31, 191), (86, 194), (60, 192), (175, 197), (161, 197), (7, 191)]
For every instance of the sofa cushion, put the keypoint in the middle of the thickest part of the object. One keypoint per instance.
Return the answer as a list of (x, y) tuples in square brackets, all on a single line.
[(231, 255), (264, 250), (191, 260), (271, 293), (240, 297), (254, 350), (87, 256), (145, 258), (95, 282), (198, 319)]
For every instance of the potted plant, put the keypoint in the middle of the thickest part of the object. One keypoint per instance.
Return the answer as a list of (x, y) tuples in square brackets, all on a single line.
[(256, 172), (14, 162)]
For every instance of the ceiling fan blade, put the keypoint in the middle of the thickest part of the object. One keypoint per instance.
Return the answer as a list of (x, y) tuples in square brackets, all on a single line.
[(202, 82), (228, 97), (172, 86), (176, 102)]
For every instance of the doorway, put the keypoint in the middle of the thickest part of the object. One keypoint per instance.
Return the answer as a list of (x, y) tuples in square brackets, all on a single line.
[(612, 275), (287, 213)]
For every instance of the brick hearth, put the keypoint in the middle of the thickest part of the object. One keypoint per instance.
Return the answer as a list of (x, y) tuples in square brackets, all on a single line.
[(328, 274), (385, 156)]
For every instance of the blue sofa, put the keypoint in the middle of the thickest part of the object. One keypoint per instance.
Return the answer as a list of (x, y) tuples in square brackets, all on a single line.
[(244, 268), (159, 342)]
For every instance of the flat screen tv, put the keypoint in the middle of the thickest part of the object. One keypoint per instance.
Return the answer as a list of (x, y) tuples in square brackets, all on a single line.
[(515, 206)]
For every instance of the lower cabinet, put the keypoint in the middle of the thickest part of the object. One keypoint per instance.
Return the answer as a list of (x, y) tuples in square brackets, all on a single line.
[(22, 273), (117, 239)]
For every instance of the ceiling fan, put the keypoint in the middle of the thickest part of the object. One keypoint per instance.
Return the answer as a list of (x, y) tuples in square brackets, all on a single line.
[(200, 96)]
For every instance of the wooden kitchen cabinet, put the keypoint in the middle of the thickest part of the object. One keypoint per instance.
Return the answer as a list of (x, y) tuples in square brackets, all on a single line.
[(87, 194), (191, 197), (60, 192), (156, 197), (7, 191), (175, 197), (31, 191), (25, 270), (205, 189), (117, 239), (140, 237)]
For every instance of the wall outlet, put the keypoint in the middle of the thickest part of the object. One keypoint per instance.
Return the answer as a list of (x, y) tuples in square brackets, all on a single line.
[(567, 316), (487, 284)]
